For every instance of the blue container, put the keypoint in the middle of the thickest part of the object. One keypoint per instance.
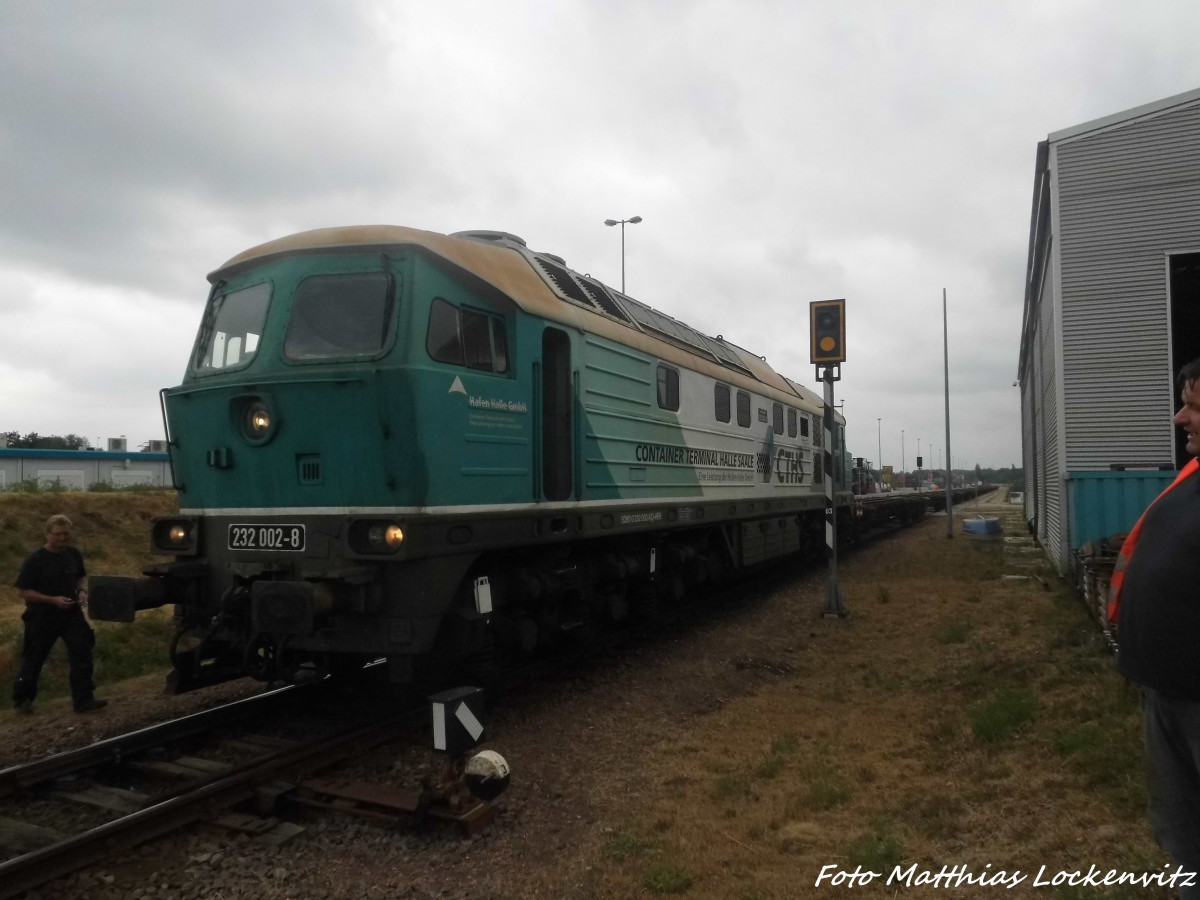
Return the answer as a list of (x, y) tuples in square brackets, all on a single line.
[(982, 526)]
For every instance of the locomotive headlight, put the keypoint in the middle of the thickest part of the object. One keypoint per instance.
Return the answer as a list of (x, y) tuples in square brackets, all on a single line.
[(257, 421), (382, 536), (376, 536), (255, 416), (175, 535)]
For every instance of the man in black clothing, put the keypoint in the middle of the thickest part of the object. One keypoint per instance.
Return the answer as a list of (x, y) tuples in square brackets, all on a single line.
[(1158, 640), (51, 582)]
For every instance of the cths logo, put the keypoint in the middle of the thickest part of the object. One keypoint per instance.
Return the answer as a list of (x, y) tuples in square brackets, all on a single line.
[(789, 467)]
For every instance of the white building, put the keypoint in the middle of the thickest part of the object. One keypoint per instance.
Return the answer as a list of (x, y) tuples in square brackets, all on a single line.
[(78, 470)]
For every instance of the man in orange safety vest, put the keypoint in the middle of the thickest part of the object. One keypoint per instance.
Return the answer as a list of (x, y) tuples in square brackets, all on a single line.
[(1155, 602)]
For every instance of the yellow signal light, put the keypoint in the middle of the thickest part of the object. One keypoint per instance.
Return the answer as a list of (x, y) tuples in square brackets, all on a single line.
[(827, 330)]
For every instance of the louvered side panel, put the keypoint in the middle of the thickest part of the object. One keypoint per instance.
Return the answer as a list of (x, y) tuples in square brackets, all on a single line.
[(1127, 197), (1050, 519)]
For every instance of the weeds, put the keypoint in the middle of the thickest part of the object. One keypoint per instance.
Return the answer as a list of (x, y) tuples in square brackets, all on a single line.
[(788, 743), (730, 787), (626, 845), (1011, 710), (825, 790), (878, 851), (955, 632), (667, 879)]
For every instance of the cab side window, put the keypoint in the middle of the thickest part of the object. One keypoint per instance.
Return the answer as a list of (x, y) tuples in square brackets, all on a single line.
[(721, 402), (466, 337), (668, 388)]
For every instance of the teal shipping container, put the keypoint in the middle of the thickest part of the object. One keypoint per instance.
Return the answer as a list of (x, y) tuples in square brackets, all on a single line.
[(1106, 503)]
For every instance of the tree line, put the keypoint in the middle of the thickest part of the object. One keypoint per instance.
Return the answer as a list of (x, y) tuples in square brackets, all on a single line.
[(35, 441)]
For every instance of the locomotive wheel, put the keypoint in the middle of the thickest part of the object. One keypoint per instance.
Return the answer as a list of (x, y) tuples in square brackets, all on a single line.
[(259, 658), (617, 604), (187, 652), (646, 604), (297, 667)]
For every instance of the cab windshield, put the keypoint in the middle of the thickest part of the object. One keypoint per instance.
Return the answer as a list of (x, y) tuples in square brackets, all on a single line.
[(231, 330), (338, 316)]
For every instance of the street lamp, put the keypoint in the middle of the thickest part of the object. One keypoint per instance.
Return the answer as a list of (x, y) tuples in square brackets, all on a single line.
[(879, 440), (903, 467), (622, 222)]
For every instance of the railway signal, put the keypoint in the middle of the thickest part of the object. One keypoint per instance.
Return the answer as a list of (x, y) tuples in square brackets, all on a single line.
[(457, 725), (827, 335), (457, 730), (827, 331)]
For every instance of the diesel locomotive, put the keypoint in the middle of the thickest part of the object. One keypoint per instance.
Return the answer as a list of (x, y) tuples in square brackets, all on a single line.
[(444, 452)]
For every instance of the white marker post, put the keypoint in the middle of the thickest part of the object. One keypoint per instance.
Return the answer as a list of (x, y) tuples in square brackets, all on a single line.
[(834, 607)]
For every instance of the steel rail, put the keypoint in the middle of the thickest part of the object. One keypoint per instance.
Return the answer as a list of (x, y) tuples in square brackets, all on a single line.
[(115, 749)]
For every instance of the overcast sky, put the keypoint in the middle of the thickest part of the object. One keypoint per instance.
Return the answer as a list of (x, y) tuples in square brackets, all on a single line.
[(779, 153)]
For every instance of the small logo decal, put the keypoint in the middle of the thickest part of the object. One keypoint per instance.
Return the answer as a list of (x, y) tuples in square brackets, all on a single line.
[(457, 387)]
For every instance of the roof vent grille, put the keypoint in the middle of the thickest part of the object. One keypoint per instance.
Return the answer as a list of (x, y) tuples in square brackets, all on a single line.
[(602, 299), (567, 286)]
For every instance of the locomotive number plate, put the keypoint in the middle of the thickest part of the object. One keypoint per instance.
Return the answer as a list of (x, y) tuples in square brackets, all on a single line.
[(266, 537)]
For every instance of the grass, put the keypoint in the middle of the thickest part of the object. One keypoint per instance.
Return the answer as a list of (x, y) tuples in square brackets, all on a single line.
[(954, 632), (1008, 712), (946, 734), (879, 850), (667, 879), (122, 652)]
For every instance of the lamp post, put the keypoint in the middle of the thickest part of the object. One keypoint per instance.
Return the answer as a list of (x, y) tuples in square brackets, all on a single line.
[(622, 222), (879, 441), (903, 460)]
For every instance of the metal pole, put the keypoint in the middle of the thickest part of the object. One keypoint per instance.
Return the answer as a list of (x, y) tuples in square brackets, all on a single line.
[(903, 462), (879, 441), (834, 607), (633, 220), (946, 363), (622, 256)]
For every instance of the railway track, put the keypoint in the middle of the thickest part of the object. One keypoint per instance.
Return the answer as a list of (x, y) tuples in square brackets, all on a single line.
[(140, 786)]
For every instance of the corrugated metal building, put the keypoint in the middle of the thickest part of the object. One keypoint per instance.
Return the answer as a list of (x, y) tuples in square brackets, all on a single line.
[(1112, 311)]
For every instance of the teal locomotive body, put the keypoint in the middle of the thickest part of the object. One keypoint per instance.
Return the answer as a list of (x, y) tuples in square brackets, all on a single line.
[(451, 450)]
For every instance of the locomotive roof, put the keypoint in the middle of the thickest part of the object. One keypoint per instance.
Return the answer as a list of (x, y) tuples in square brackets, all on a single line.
[(542, 284)]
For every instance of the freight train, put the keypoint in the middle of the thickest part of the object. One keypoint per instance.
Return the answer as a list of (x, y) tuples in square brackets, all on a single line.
[(447, 452)]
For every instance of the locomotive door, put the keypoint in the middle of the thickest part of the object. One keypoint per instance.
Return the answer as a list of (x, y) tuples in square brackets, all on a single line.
[(556, 423)]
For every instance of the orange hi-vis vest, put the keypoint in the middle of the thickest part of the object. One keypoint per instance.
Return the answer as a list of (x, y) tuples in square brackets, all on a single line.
[(1127, 548)]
